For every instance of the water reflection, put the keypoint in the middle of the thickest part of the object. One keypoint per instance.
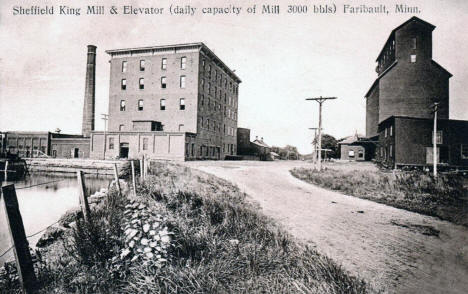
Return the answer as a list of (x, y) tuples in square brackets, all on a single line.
[(43, 198)]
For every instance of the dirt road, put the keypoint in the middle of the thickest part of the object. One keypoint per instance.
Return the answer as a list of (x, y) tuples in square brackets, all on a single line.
[(386, 246)]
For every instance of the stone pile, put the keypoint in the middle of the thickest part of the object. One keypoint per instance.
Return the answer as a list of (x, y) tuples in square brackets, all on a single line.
[(146, 234)]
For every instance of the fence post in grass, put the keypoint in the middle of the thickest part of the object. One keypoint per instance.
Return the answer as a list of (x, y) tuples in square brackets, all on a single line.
[(141, 168), (116, 177), (146, 166), (83, 195), (23, 258), (133, 177), (6, 171)]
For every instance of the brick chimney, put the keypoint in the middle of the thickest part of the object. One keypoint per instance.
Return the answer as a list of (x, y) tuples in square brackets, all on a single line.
[(89, 98)]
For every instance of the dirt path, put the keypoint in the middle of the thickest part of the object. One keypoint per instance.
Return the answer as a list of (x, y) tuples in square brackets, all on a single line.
[(384, 245)]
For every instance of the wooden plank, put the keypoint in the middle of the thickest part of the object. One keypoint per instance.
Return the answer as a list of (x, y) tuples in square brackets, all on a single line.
[(6, 171), (141, 169), (83, 195), (146, 166), (116, 177), (23, 258), (133, 177)]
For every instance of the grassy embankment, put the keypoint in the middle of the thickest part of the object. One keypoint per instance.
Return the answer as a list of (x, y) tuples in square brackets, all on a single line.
[(444, 197), (219, 243)]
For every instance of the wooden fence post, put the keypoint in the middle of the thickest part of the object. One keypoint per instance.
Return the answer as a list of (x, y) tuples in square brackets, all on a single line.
[(116, 177), (146, 166), (133, 177), (6, 171), (142, 162), (83, 195), (23, 258)]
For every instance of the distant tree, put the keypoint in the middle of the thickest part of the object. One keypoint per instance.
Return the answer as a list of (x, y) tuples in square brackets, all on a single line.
[(287, 152), (329, 142)]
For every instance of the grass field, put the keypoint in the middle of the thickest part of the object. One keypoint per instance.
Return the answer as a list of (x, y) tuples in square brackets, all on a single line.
[(219, 243), (444, 197)]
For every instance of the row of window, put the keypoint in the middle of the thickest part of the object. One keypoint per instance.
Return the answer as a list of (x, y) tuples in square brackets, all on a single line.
[(216, 126), (386, 155), (162, 104), (390, 53), (213, 104), (217, 94), (389, 131), (141, 83), (220, 80), (183, 64)]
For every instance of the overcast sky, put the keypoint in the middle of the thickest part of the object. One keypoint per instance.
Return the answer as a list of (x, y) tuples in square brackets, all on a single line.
[(281, 60)]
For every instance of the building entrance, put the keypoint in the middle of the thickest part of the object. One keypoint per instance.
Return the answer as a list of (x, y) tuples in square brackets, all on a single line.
[(76, 152), (123, 150)]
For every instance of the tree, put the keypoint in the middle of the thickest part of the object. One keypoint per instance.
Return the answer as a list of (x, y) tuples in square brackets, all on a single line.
[(287, 152), (329, 142)]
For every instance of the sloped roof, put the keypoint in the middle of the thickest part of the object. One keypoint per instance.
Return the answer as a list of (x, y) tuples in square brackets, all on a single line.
[(351, 139), (392, 34), (260, 143)]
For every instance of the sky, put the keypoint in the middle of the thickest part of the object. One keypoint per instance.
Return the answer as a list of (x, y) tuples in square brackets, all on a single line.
[(281, 60)]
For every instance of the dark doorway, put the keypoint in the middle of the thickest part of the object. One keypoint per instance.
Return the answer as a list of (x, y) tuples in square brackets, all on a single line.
[(76, 152), (123, 150)]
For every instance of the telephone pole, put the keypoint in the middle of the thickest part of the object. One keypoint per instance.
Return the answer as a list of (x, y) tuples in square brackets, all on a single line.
[(314, 144), (105, 118), (435, 108), (320, 101)]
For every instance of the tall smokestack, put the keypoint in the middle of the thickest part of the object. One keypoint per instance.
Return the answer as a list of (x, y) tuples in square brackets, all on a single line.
[(89, 99)]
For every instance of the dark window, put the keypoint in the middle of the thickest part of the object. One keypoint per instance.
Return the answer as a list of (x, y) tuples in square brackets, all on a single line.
[(111, 143), (142, 83), (464, 151), (193, 149), (164, 63), (162, 104), (438, 137), (140, 105), (122, 105), (163, 82), (123, 84), (183, 62), (182, 104), (142, 65)]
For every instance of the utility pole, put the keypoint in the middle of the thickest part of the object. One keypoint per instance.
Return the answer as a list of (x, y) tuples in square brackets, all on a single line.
[(320, 101), (314, 144), (435, 107), (105, 118)]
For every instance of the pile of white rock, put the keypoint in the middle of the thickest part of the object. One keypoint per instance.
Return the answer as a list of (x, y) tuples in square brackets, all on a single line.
[(146, 234)]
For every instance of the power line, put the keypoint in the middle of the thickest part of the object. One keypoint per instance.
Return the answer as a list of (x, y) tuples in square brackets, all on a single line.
[(41, 184), (30, 236)]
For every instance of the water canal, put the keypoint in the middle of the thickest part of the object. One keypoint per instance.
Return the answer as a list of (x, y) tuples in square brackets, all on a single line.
[(43, 198)]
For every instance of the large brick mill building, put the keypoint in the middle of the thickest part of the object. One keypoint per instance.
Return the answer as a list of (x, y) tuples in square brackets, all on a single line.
[(169, 102), (175, 102), (399, 116)]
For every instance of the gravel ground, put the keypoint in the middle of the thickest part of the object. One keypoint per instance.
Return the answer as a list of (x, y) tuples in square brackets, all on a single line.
[(395, 250)]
